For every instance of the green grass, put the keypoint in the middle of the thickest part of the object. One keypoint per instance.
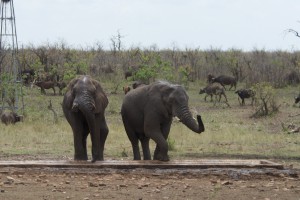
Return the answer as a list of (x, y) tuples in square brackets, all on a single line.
[(230, 132)]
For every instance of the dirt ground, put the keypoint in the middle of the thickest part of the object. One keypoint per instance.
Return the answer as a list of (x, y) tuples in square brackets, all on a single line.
[(86, 184)]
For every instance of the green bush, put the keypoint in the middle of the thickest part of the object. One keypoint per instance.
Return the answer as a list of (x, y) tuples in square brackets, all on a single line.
[(266, 103)]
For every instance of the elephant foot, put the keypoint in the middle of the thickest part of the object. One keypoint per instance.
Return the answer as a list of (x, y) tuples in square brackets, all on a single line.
[(80, 158), (97, 159), (161, 157)]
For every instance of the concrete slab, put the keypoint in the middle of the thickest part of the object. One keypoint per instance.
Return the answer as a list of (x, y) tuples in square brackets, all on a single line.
[(149, 164)]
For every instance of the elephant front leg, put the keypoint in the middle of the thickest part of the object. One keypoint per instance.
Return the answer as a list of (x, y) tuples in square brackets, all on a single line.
[(161, 152), (80, 145), (103, 135), (96, 147), (165, 129)]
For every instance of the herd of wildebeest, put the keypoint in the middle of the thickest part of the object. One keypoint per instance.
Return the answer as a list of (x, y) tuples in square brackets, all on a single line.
[(216, 87), (147, 110)]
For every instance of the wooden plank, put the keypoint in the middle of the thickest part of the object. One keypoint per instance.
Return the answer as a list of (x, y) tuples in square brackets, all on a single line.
[(149, 164)]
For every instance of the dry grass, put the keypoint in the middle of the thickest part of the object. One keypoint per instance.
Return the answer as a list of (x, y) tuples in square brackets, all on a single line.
[(230, 132)]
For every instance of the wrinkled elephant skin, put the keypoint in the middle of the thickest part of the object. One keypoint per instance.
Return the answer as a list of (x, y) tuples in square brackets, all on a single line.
[(84, 104), (147, 113)]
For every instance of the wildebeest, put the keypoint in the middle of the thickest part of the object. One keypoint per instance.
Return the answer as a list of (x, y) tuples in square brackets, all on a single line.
[(292, 77), (245, 94), (210, 78), (213, 89), (131, 71), (224, 80), (10, 117), (136, 84), (61, 85), (27, 75), (45, 85), (297, 99), (126, 89)]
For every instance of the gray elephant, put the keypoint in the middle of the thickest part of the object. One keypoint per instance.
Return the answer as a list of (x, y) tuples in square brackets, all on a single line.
[(147, 113), (84, 104)]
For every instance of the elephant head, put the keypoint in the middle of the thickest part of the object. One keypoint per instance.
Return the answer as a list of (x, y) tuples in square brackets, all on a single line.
[(84, 104), (85, 94), (176, 101)]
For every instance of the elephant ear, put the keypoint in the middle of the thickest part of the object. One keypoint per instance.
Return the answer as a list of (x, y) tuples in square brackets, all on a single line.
[(173, 95), (167, 92), (69, 97), (101, 100)]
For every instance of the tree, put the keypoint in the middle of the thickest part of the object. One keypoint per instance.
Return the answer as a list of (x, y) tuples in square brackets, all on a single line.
[(116, 42)]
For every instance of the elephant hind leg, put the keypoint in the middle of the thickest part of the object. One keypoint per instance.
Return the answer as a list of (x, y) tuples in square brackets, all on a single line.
[(146, 149), (133, 137), (135, 147)]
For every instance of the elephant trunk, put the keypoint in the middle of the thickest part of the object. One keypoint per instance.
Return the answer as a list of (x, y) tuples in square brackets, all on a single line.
[(89, 116), (85, 101), (95, 136), (86, 105), (185, 116)]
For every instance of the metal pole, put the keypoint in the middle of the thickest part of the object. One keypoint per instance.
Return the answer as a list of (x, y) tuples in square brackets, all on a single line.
[(9, 32)]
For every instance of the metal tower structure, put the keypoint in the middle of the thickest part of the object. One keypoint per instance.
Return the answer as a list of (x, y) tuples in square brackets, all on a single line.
[(10, 74)]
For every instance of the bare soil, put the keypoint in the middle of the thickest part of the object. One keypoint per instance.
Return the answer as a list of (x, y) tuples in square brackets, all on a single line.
[(71, 183)]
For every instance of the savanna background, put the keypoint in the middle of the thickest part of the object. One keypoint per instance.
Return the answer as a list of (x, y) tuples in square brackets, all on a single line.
[(266, 130)]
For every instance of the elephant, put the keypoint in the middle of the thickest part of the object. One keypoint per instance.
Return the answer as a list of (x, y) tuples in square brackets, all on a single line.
[(84, 105), (10, 117), (147, 113)]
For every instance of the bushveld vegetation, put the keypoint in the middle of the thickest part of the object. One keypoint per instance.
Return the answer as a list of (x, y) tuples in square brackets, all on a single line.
[(261, 131)]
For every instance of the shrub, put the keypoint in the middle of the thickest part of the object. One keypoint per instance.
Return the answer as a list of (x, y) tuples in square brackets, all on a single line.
[(266, 103), (171, 144)]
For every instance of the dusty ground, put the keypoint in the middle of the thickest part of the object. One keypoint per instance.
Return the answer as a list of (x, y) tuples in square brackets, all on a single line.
[(50, 183)]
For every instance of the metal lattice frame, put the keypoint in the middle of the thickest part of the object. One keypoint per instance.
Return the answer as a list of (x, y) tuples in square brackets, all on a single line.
[(10, 74)]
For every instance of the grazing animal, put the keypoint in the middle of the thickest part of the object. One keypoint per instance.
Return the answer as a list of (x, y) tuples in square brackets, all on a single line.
[(210, 78), (213, 89), (9, 117), (61, 85), (127, 74), (297, 99), (45, 85), (292, 77), (131, 71), (27, 75), (225, 80), (126, 89), (137, 84), (245, 94)]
